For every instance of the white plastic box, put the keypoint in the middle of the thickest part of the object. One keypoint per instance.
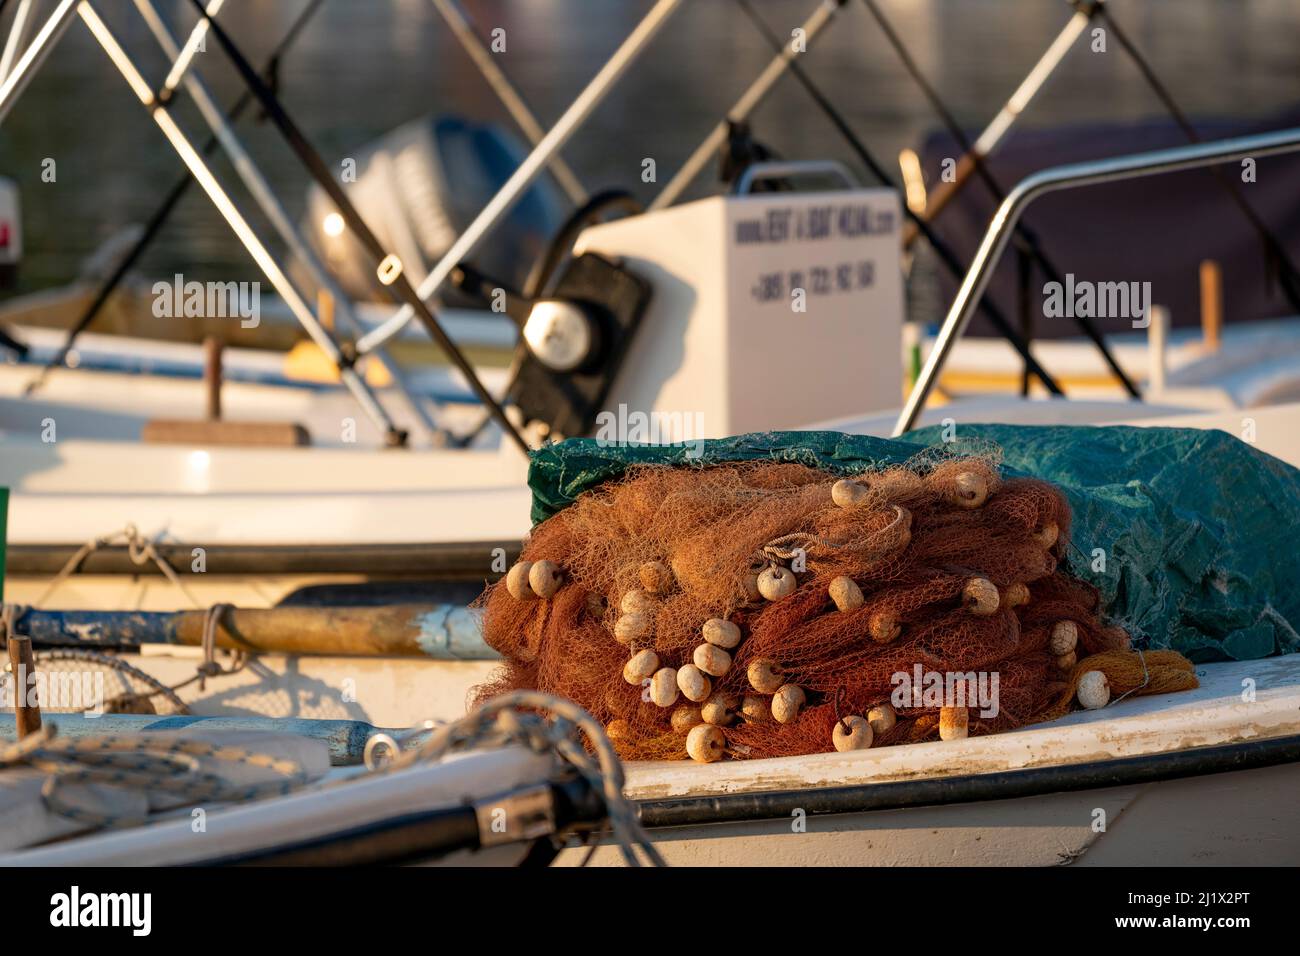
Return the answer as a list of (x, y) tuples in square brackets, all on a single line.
[(724, 343)]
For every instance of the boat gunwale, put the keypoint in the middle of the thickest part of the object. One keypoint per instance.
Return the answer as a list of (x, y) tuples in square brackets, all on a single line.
[(461, 559), (1015, 784)]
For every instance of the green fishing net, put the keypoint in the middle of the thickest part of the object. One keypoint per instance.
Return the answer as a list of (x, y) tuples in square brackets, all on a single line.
[(1188, 534)]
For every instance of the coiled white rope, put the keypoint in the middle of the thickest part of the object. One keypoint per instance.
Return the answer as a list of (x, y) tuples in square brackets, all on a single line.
[(142, 762)]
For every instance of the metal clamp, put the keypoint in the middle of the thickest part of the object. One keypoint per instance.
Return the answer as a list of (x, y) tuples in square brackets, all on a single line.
[(382, 747)]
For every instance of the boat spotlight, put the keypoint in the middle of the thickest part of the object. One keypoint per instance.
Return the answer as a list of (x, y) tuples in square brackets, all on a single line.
[(560, 334)]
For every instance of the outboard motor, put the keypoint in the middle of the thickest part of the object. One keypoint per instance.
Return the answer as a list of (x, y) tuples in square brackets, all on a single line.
[(418, 187)]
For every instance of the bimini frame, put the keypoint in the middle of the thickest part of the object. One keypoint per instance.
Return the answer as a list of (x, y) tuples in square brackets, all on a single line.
[(460, 25), (500, 204), (545, 154), (158, 105), (389, 271)]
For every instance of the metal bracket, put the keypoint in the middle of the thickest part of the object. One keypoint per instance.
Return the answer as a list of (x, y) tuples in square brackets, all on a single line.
[(516, 816)]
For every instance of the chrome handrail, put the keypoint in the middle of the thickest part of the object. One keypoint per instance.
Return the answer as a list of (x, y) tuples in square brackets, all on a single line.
[(787, 169), (1063, 177)]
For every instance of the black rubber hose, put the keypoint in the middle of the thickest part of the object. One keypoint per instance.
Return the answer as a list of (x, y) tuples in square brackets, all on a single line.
[(561, 244), (387, 842)]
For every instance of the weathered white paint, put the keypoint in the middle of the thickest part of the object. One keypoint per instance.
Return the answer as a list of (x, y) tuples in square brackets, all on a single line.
[(1248, 818)]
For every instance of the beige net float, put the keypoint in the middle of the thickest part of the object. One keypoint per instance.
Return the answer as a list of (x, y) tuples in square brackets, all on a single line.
[(773, 609)]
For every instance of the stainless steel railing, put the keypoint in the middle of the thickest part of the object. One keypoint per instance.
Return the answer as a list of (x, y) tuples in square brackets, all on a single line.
[(1057, 178)]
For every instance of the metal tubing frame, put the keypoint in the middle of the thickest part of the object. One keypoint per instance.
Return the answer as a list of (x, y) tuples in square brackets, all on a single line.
[(160, 215), (1033, 82), (946, 255), (1001, 124), (740, 110), (256, 182), (182, 59), (1287, 267), (972, 160), (1051, 180), (21, 26), (390, 272), (528, 171), (204, 176), (41, 46), (463, 29)]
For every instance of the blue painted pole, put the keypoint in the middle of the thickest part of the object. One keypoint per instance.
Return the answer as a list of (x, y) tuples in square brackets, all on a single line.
[(444, 632)]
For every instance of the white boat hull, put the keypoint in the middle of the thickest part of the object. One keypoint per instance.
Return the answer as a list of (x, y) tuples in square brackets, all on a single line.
[(1205, 776), (1248, 818)]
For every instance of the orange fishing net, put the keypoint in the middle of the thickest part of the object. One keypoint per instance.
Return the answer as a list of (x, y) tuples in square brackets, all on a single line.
[(923, 601)]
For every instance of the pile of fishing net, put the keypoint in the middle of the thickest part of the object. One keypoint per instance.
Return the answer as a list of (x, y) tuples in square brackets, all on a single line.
[(762, 609)]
